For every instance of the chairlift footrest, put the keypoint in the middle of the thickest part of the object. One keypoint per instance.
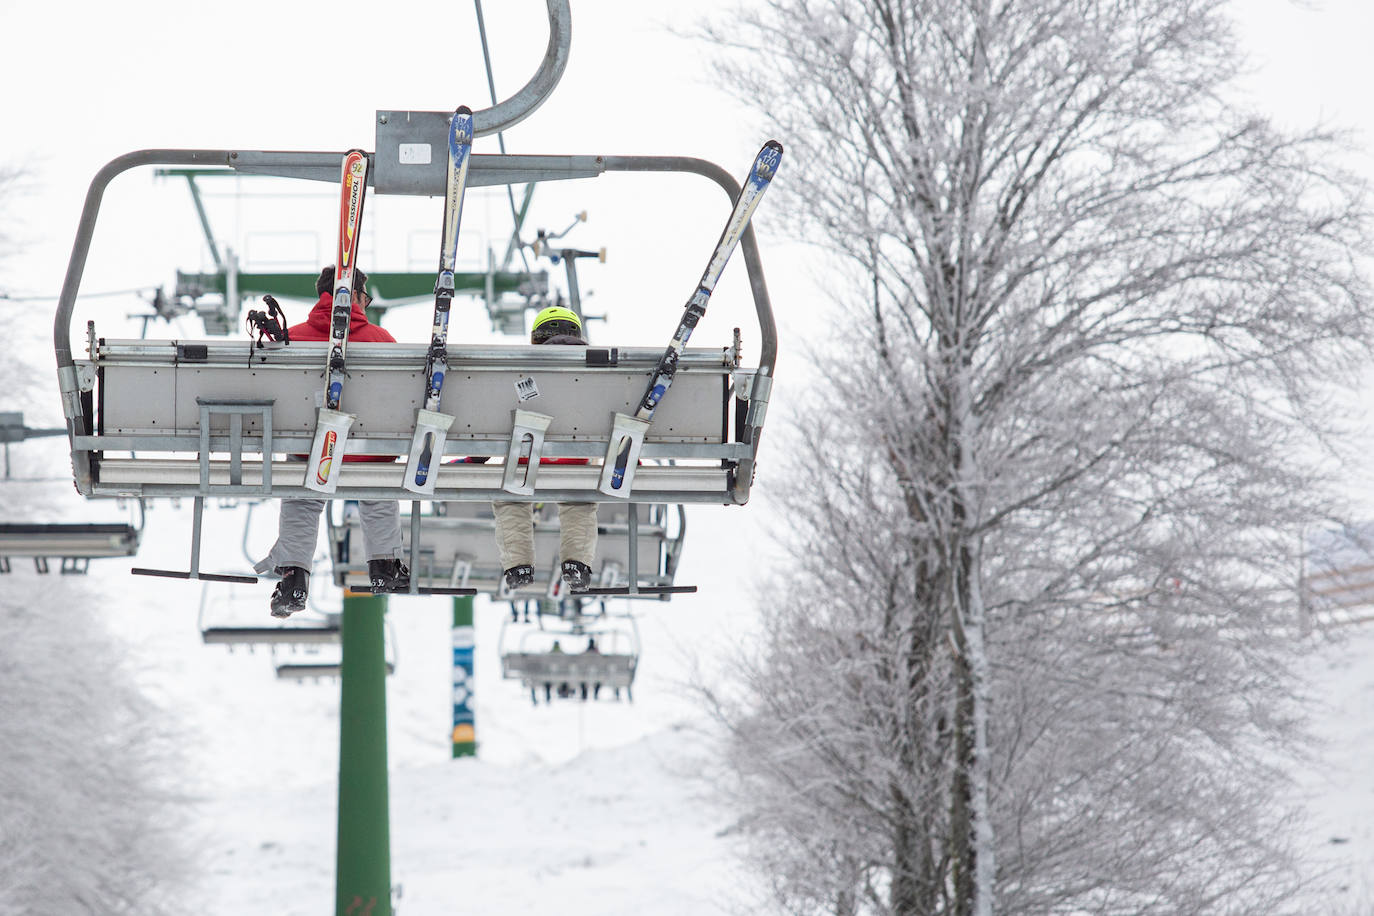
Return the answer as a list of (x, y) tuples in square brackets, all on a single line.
[(642, 590), (438, 590), (179, 574)]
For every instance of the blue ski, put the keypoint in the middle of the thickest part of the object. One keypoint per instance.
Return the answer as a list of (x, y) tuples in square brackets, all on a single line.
[(760, 176), (430, 425)]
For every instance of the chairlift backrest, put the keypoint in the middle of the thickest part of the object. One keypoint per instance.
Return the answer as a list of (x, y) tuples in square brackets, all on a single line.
[(196, 418)]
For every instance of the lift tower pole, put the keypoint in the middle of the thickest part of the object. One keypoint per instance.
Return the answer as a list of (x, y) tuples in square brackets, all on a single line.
[(363, 876)]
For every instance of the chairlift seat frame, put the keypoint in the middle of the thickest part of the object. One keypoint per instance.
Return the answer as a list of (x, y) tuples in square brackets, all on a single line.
[(118, 451), (101, 383)]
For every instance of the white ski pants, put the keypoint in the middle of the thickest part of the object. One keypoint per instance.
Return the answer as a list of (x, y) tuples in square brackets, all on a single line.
[(298, 530), (515, 533)]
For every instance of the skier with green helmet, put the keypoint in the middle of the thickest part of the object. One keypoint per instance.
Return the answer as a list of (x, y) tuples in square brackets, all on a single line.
[(576, 521)]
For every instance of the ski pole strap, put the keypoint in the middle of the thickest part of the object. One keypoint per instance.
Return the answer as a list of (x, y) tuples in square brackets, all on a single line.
[(270, 324)]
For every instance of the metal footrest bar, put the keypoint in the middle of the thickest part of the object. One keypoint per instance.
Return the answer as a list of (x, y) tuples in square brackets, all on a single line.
[(641, 590), (437, 590), (194, 572), (178, 574)]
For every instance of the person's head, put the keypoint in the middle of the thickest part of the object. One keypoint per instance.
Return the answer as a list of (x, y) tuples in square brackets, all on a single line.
[(555, 321), (325, 283)]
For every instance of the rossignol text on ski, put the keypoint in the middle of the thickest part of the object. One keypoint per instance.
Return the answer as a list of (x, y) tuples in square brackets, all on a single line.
[(628, 433), (332, 424), (431, 427)]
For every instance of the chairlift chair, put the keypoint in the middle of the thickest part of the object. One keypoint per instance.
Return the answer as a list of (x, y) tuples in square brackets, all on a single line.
[(215, 418), (219, 625), (74, 544), (534, 663)]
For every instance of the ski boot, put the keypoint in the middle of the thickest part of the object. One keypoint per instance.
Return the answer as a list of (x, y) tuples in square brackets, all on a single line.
[(578, 575), (388, 575), (518, 576), (290, 594)]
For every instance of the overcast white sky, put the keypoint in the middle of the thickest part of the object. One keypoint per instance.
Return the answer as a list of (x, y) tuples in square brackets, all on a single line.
[(85, 84), (80, 90), (270, 76)]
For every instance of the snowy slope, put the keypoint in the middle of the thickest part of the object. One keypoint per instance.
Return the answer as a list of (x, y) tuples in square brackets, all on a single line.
[(595, 806), (591, 808), (1337, 789)]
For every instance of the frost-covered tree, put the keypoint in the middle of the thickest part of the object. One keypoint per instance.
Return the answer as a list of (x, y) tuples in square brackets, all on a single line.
[(86, 816), (1030, 656)]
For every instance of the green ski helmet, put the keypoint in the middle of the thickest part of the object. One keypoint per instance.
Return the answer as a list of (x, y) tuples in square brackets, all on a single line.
[(553, 321)]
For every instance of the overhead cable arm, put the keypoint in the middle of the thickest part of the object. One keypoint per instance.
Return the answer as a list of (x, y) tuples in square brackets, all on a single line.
[(515, 109)]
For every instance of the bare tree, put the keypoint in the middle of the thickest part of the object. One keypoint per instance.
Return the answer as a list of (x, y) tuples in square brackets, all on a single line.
[(88, 817), (1051, 481)]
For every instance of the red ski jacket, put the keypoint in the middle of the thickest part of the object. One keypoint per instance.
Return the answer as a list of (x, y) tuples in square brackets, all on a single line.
[(316, 324), (316, 327)]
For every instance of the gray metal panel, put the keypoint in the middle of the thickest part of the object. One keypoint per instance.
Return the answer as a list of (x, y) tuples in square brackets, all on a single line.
[(582, 403), (367, 480), (141, 397), (218, 352), (412, 157), (384, 401)]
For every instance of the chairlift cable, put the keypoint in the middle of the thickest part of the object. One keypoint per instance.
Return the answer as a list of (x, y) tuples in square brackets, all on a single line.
[(500, 140)]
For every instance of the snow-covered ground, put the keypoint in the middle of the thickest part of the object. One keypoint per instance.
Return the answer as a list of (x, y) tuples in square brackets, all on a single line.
[(1337, 790), (597, 808), (590, 807)]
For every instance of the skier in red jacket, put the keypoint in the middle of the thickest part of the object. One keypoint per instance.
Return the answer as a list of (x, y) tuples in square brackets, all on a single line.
[(299, 525)]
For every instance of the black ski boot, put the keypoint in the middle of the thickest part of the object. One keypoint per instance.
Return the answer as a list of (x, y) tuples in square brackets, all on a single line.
[(290, 594), (518, 576), (388, 575), (577, 574)]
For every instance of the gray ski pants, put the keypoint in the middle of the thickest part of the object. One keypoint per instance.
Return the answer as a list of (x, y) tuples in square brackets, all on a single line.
[(298, 530), (515, 533)]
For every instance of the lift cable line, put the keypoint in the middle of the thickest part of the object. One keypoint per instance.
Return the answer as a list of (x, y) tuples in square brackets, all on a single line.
[(517, 216)]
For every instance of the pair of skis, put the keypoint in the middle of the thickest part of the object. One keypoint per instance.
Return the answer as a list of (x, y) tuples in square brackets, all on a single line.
[(431, 427), (332, 424), (627, 434)]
